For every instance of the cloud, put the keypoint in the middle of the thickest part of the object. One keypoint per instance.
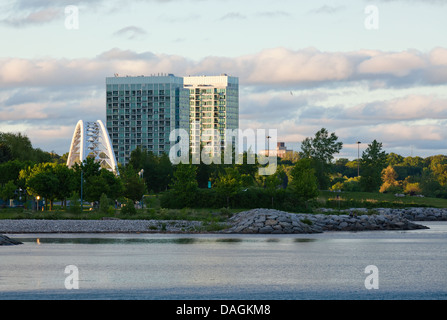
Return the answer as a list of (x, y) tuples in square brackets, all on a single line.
[(274, 14), (24, 13), (329, 89), (270, 67), (37, 17), (325, 9), (233, 16), (398, 64), (430, 2), (130, 32)]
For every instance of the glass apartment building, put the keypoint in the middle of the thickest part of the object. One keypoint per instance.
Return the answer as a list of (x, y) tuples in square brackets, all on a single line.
[(142, 111), (213, 104)]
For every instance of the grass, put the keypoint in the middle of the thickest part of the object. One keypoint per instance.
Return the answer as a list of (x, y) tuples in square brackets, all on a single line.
[(375, 200), (210, 216), (214, 217)]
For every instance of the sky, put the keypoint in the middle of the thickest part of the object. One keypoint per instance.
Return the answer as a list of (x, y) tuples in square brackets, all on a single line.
[(363, 69)]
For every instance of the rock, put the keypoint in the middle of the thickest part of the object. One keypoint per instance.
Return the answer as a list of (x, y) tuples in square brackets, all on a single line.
[(5, 241), (266, 229), (344, 224)]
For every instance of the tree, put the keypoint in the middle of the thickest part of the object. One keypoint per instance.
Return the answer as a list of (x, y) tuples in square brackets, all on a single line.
[(66, 181), (158, 170), (134, 186), (228, 184), (104, 204), (5, 153), (429, 185), (10, 171), (394, 159), (42, 181), (96, 180), (304, 183), (412, 188), (390, 184), (372, 163), (8, 191), (184, 184), (21, 148), (273, 182), (321, 149)]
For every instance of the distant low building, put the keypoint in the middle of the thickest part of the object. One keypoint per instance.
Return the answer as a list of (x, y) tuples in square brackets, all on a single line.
[(281, 151)]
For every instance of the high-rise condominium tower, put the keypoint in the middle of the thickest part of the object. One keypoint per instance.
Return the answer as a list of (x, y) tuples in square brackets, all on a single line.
[(142, 111), (214, 104)]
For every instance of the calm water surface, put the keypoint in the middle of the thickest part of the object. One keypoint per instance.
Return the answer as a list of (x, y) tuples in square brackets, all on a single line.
[(411, 265)]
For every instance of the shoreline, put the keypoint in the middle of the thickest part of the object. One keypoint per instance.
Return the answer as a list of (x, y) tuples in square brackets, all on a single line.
[(262, 221)]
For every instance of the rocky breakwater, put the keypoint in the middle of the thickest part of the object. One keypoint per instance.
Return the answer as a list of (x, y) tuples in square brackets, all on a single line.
[(417, 213), (268, 221), (5, 241), (412, 213)]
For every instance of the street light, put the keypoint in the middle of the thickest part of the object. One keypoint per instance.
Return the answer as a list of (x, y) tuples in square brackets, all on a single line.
[(38, 198), (358, 158), (268, 146)]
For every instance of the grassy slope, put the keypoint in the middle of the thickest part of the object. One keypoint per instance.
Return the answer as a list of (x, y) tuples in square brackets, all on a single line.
[(377, 199)]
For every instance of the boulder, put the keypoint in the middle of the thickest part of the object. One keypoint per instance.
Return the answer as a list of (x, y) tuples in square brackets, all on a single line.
[(6, 241)]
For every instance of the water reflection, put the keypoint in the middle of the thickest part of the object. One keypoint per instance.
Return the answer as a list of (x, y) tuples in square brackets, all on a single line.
[(304, 240), (108, 240), (87, 240)]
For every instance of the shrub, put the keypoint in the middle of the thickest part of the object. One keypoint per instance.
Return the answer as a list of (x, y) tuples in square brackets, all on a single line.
[(74, 205), (129, 208), (104, 204)]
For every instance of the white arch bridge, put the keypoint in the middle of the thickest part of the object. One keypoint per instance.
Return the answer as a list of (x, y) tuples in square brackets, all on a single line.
[(91, 139)]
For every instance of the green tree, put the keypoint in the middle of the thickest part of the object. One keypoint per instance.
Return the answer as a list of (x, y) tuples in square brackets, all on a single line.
[(74, 205), (304, 183), (94, 187), (158, 170), (228, 183), (134, 186), (321, 149), (10, 171), (42, 181), (372, 163), (184, 184), (394, 159), (8, 191), (21, 148), (5, 153), (66, 181), (129, 208), (429, 184), (104, 204), (95, 180), (273, 183)]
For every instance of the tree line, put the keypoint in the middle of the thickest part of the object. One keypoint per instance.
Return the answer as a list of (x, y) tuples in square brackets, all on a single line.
[(29, 172)]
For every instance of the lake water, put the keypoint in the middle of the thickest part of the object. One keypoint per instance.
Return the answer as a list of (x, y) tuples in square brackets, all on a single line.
[(410, 265)]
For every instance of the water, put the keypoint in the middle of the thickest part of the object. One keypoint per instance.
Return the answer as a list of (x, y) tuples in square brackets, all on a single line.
[(411, 265)]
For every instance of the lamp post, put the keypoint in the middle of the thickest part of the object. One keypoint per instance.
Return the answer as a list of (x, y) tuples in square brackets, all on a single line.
[(38, 198), (82, 180), (268, 146), (358, 158)]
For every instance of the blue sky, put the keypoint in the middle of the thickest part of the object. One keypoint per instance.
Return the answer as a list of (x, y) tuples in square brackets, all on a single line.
[(303, 65)]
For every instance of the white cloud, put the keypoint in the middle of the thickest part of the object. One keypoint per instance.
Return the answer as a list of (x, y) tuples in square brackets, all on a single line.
[(48, 94), (278, 66), (130, 32)]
